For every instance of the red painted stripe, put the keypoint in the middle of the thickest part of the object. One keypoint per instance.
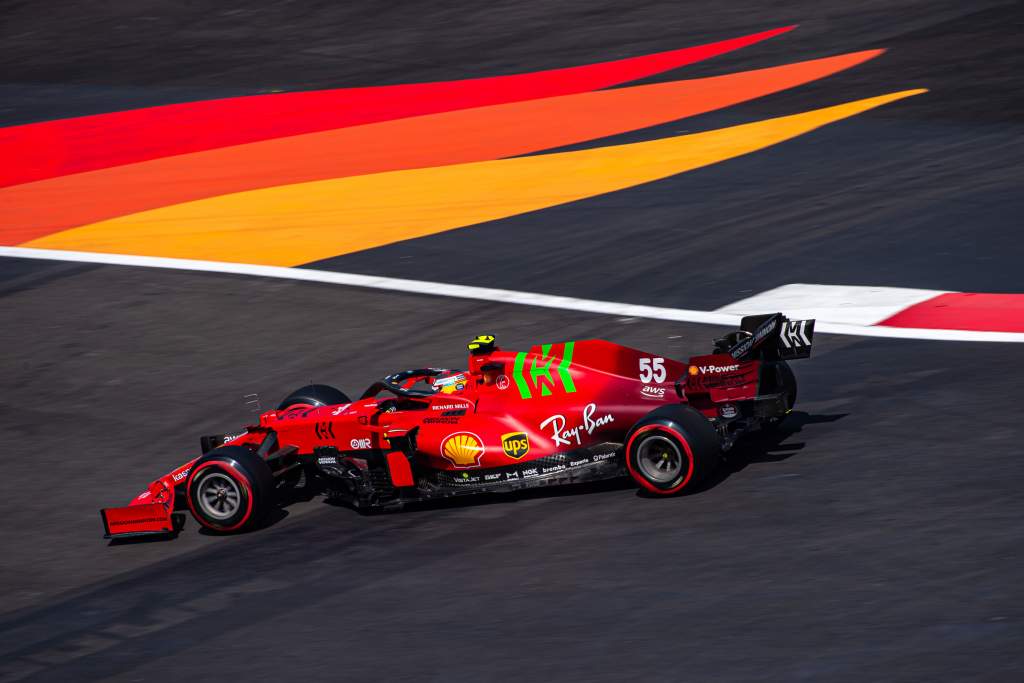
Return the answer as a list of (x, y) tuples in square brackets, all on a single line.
[(962, 311), (54, 148), (33, 210)]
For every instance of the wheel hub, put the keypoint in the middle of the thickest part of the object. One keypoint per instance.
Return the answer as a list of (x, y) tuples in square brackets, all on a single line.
[(219, 496), (660, 459)]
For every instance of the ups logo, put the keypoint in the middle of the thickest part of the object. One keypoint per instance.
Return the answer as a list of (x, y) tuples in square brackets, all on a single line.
[(515, 445)]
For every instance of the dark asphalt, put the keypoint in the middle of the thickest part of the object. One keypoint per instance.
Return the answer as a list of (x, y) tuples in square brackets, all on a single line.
[(880, 540), (921, 193)]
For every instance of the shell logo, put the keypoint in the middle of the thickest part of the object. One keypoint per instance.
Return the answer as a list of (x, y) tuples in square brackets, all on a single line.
[(463, 449)]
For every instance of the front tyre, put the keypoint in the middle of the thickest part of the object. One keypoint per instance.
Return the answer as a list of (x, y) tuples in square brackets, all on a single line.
[(314, 396), (672, 449), (230, 489)]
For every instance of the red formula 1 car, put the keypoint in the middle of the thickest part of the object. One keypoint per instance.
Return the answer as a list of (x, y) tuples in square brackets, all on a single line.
[(558, 413)]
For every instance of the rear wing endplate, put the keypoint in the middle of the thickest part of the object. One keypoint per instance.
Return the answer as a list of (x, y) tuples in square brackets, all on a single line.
[(774, 337)]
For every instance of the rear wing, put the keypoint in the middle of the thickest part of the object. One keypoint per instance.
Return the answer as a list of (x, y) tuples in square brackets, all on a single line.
[(769, 337)]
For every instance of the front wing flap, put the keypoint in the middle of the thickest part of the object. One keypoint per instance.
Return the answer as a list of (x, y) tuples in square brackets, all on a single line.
[(138, 520)]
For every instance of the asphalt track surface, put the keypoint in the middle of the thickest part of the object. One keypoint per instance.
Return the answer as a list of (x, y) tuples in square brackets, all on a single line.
[(879, 540)]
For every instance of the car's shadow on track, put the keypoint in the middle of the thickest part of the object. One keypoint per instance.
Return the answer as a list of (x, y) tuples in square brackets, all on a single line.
[(142, 540), (477, 499), (762, 447), (302, 492), (552, 491)]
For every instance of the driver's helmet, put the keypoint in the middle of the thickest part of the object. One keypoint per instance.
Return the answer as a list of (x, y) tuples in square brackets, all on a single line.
[(450, 381)]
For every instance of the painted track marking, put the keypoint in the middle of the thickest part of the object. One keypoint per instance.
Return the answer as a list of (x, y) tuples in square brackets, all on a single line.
[(291, 225), (853, 305), (34, 210), (491, 295), (123, 137)]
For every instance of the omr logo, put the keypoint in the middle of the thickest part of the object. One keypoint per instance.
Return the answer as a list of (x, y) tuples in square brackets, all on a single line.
[(537, 378)]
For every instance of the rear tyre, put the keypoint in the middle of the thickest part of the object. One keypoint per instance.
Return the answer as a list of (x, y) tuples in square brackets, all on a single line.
[(230, 489), (672, 449), (785, 384), (314, 396)]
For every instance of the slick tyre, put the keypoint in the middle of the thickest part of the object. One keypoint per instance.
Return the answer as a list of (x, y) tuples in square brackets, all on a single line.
[(230, 489), (314, 396), (785, 383), (672, 449)]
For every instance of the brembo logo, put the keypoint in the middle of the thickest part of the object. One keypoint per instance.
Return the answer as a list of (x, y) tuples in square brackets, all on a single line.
[(712, 369)]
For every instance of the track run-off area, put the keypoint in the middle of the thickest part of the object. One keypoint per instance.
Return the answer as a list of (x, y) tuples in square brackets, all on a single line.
[(201, 203)]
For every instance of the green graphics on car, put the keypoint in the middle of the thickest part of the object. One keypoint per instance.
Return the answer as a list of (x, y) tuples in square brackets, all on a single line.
[(538, 377)]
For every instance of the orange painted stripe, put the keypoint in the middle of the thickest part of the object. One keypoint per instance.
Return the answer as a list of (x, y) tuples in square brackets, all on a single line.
[(36, 209), (295, 224)]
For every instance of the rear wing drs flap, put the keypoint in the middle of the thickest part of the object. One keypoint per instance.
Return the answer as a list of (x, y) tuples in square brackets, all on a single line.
[(771, 337)]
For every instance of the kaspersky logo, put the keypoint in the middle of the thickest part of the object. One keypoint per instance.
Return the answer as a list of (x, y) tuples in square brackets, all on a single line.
[(532, 372)]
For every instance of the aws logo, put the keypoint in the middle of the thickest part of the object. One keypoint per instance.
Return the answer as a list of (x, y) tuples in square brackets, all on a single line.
[(515, 444), (462, 449)]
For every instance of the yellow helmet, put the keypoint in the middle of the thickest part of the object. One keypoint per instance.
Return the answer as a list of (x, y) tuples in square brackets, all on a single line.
[(482, 344)]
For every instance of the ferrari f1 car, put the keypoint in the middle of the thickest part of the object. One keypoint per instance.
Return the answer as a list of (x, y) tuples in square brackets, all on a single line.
[(556, 414)]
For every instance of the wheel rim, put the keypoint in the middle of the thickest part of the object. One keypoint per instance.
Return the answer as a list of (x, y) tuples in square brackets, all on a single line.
[(219, 496), (659, 459)]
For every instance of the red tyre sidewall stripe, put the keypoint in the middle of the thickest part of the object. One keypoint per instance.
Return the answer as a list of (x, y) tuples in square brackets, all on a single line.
[(234, 474), (298, 408), (640, 479)]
